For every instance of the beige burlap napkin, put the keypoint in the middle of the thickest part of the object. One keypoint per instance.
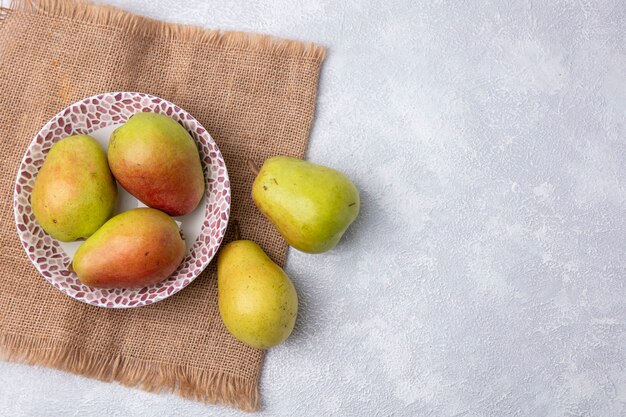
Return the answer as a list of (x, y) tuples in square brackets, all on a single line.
[(254, 94)]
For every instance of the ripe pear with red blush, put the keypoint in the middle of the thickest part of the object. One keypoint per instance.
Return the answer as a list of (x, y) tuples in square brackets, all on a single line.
[(155, 159), (134, 249)]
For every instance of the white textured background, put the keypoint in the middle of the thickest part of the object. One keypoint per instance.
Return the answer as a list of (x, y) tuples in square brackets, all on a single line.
[(485, 275)]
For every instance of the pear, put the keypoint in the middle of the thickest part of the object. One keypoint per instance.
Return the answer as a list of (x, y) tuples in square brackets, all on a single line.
[(134, 249), (310, 205), (74, 192), (156, 160), (257, 300)]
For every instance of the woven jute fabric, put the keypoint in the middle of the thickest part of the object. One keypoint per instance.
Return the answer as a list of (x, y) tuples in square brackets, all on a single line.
[(254, 94)]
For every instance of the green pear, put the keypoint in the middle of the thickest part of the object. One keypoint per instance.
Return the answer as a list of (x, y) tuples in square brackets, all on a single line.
[(310, 205), (156, 160), (257, 300), (134, 249), (74, 192)]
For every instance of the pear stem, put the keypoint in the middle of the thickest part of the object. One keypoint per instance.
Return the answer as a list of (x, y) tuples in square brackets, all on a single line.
[(253, 167), (237, 230)]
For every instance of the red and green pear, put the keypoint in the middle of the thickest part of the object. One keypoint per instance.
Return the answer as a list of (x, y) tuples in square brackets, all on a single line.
[(134, 249), (74, 192), (157, 161)]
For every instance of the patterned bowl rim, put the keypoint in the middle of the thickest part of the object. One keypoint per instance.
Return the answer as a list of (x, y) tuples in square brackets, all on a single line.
[(53, 265)]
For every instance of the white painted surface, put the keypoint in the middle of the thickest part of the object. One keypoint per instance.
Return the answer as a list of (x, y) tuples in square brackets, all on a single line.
[(488, 139)]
